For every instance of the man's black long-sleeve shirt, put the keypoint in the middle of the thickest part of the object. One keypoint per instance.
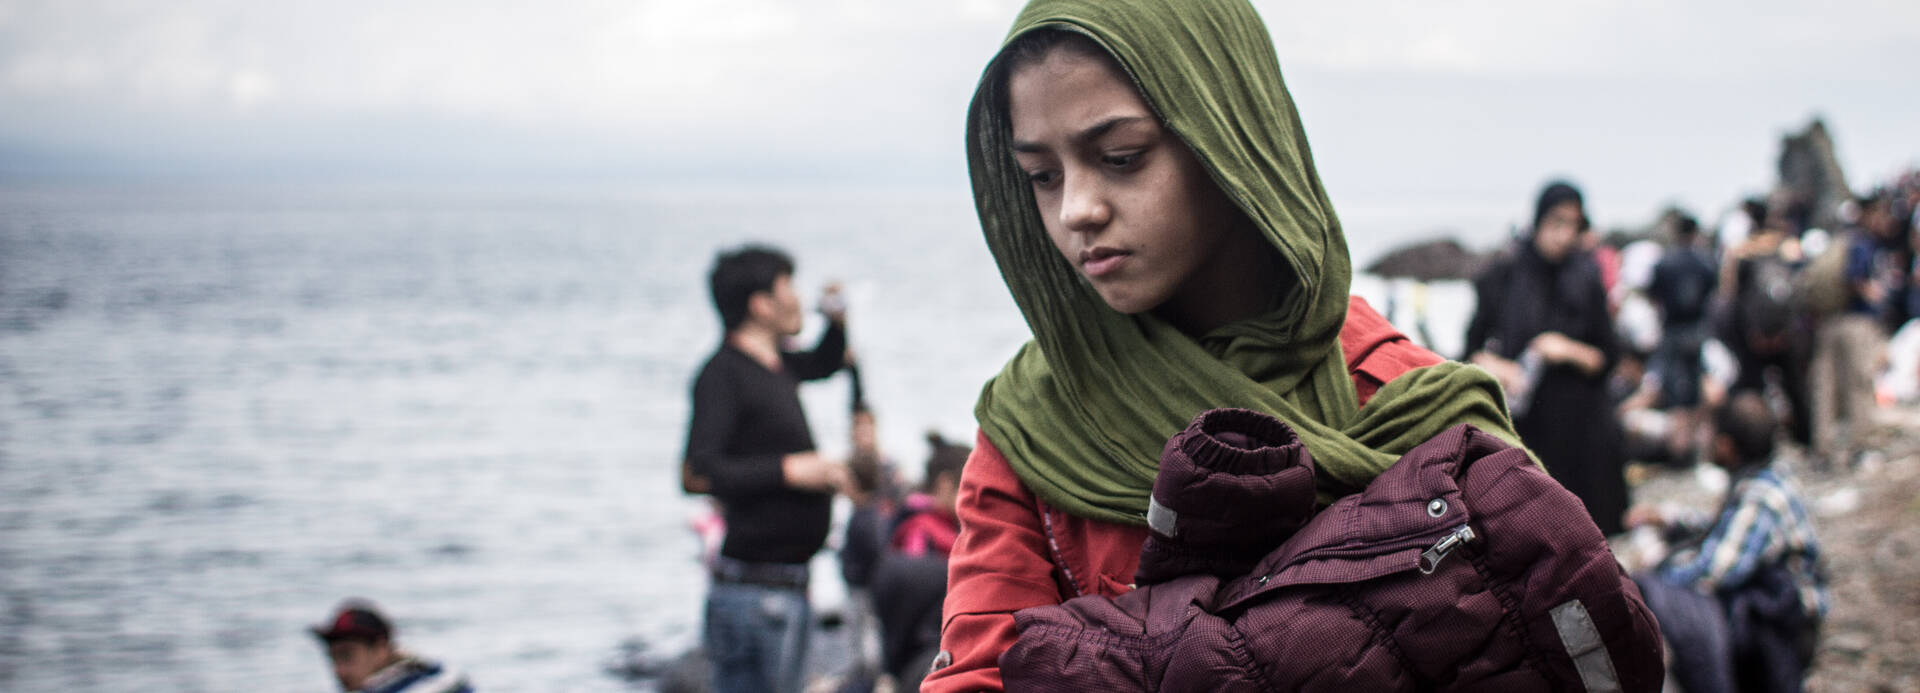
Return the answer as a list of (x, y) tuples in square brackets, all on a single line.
[(745, 419)]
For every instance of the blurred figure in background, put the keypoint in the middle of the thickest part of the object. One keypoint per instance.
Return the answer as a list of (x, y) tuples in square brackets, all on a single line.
[(1903, 350), (1541, 326), (911, 580), (875, 497), (1849, 347), (748, 444), (1765, 325), (1682, 288), (365, 659), (1741, 601), (875, 493)]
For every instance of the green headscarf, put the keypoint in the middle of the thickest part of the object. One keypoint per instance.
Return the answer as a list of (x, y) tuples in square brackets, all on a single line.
[(1083, 410)]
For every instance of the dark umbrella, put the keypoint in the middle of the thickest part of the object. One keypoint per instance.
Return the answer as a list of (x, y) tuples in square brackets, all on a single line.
[(1428, 261)]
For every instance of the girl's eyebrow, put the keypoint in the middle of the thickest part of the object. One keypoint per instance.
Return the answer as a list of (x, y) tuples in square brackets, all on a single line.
[(1087, 135)]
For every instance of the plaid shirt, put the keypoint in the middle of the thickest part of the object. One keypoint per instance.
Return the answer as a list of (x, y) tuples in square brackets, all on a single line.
[(1763, 523)]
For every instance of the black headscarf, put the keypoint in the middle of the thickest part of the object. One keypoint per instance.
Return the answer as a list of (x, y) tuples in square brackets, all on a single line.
[(1527, 294), (1557, 192)]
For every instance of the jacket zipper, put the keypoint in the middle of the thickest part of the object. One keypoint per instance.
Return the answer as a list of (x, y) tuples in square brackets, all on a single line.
[(1430, 559)]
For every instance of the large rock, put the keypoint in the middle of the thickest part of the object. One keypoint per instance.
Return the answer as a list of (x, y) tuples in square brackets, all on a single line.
[(1810, 176)]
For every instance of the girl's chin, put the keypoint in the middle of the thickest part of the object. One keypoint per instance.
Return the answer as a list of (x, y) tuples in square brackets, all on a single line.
[(1126, 303)]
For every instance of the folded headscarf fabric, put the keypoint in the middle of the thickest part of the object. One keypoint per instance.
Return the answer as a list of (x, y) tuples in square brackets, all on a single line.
[(1083, 410)]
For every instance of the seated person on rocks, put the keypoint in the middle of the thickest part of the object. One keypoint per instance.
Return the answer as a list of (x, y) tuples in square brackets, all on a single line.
[(359, 642), (1741, 604)]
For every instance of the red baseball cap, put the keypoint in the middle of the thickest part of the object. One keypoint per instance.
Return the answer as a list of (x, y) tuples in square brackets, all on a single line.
[(355, 620)]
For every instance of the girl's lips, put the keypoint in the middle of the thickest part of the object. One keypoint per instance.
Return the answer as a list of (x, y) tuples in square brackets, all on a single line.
[(1102, 261)]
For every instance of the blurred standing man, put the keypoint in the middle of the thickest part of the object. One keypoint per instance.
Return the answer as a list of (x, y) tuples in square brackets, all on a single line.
[(1683, 285), (748, 445), (1766, 328), (1850, 345)]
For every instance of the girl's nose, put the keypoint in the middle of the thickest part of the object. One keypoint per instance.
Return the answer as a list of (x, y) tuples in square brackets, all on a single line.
[(1084, 205)]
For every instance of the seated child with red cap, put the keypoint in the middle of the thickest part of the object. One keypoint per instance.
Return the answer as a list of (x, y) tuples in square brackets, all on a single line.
[(359, 642)]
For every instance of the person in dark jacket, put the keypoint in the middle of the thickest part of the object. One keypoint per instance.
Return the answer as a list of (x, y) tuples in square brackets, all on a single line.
[(1768, 333), (1682, 287), (875, 494), (911, 579), (748, 445), (1541, 326)]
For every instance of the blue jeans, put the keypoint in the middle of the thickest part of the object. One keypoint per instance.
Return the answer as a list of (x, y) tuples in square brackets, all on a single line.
[(756, 637)]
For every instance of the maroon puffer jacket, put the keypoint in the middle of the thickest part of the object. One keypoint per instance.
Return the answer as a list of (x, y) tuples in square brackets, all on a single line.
[(1462, 567)]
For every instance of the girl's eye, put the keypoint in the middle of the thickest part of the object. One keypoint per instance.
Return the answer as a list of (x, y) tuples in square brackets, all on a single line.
[(1042, 179), (1121, 160)]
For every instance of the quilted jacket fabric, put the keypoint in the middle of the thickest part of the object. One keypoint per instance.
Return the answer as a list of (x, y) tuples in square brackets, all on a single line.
[(1462, 567)]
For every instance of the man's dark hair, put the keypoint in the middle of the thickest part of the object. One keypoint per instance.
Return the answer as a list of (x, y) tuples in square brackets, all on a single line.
[(739, 274), (1684, 225), (1756, 211), (1749, 423)]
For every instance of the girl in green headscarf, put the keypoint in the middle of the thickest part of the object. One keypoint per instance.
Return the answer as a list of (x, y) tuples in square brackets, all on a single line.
[(1147, 191)]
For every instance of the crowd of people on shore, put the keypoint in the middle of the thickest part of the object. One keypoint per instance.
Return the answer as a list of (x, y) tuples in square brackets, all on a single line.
[(1821, 320), (1688, 347)]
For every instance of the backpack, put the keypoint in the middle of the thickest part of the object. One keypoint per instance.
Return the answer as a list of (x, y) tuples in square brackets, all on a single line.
[(1822, 288), (1688, 281), (1766, 301)]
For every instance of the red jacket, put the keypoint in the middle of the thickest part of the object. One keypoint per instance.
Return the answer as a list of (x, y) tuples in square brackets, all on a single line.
[(1016, 552)]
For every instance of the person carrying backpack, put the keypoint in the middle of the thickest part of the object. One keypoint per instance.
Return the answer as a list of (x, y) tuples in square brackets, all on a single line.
[(1850, 344), (1766, 330)]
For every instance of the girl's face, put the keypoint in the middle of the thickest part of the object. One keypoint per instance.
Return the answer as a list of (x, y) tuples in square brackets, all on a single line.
[(1123, 199)]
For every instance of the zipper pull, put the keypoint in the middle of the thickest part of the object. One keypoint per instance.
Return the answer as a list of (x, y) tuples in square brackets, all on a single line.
[(1430, 559)]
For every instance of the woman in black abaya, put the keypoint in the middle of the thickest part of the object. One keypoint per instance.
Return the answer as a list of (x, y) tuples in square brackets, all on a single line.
[(1542, 328)]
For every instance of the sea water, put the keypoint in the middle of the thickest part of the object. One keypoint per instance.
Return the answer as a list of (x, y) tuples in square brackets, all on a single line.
[(225, 408)]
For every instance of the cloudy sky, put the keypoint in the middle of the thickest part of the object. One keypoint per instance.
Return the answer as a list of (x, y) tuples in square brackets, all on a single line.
[(1439, 102)]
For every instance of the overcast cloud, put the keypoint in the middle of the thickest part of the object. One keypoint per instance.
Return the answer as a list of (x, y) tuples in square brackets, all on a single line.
[(1643, 101)]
